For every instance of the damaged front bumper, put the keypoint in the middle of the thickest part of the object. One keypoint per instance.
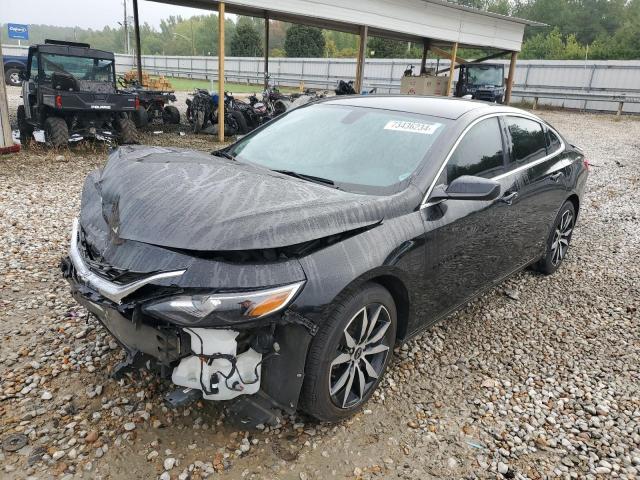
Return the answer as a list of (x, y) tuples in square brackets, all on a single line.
[(265, 361)]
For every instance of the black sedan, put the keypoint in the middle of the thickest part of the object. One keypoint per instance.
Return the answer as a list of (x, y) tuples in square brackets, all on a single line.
[(282, 270)]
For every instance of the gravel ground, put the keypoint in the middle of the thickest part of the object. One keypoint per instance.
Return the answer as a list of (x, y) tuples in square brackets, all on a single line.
[(539, 378)]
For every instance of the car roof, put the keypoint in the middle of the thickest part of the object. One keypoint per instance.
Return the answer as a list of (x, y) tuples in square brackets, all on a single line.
[(443, 107)]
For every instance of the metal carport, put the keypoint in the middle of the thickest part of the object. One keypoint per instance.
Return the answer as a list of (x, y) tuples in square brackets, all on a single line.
[(437, 24)]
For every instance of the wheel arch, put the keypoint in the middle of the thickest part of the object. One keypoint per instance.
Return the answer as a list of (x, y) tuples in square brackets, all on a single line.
[(398, 290), (392, 280), (575, 200), (15, 65)]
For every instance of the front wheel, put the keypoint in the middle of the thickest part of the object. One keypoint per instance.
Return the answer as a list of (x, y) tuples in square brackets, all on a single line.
[(559, 239), (56, 132), (350, 353), (127, 132)]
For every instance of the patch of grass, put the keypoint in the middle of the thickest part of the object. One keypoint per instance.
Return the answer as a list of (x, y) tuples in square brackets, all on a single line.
[(189, 84)]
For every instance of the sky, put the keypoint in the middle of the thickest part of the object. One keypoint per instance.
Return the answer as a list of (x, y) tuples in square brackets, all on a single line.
[(86, 13)]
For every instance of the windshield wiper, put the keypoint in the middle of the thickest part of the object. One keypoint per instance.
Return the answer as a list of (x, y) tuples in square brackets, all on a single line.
[(223, 154), (302, 176)]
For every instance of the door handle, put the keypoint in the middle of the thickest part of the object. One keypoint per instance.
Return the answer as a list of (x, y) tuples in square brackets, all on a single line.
[(556, 176), (509, 198)]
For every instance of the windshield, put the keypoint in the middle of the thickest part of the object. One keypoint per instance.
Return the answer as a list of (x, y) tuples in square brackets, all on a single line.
[(83, 68), (358, 149), (485, 76)]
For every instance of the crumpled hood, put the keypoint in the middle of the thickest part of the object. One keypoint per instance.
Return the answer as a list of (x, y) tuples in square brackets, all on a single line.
[(191, 200)]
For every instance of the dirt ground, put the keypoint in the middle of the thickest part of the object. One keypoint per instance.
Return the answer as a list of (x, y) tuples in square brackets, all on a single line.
[(538, 378)]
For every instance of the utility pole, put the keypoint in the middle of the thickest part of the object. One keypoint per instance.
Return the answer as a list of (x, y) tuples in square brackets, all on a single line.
[(126, 28), (193, 43)]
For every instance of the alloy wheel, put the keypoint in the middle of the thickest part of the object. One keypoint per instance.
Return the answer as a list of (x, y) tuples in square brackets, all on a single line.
[(361, 356), (14, 78), (561, 237)]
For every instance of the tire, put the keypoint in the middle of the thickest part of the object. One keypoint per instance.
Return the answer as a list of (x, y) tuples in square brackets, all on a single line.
[(330, 370), (171, 115), (12, 77), (26, 130), (198, 121), (559, 240), (241, 126), (140, 117), (126, 131), (56, 132)]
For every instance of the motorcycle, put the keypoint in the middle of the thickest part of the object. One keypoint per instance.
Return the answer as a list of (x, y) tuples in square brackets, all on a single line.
[(203, 109), (346, 88), (200, 109), (254, 113)]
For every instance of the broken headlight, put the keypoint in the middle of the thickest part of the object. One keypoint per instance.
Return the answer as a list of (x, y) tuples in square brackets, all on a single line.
[(222, 308)]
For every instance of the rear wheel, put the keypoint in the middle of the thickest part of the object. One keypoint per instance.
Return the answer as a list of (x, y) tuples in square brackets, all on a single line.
[(140, 117), (350, 353), (12, 77), (559, 239), (171, 115), (26, 130), (126, 130), (56, 132)]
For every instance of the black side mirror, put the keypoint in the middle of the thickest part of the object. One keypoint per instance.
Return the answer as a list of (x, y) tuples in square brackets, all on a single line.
[(22, 74), (467, 187)]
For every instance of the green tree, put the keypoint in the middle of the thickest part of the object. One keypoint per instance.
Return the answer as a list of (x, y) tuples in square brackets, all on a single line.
[(246, 41), (304, 41), (378, 47)]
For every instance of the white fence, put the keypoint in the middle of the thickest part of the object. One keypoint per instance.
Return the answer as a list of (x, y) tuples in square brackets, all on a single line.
[(554, 77)]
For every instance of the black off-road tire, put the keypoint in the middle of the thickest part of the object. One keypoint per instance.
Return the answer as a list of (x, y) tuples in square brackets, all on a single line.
[(241, 126), (171, 115), (127, 132), (199, 120), (316, 398), (140, 117), (11, 77), (561, 233), (56, 132), (26, 130)]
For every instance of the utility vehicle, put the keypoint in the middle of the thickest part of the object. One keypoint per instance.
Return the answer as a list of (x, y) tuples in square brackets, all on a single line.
[(482, 81), (69, 89)]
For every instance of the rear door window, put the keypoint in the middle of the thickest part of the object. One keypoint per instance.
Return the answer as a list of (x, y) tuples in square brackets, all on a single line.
[(553, 142), (528, 142), (479, 153)]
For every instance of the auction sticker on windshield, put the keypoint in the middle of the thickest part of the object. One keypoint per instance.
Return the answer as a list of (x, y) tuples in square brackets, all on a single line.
[(414, 127)]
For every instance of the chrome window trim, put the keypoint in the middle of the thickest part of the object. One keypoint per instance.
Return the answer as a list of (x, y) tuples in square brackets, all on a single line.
[(110, 290), (533, 163)]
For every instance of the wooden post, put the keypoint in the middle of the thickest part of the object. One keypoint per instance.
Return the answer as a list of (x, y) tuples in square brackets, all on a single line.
[(620, 105), (136, 29), (362, 53), (512, 74), (221, 72), (535, 103), (425, 50), (6, 138), (452, 68), (266, 50)]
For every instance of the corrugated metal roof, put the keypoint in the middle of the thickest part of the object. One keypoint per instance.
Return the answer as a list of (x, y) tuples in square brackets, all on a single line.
[(438, 20)]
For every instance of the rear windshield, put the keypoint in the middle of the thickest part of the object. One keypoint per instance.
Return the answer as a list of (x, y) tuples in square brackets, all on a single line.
[(359, 149)]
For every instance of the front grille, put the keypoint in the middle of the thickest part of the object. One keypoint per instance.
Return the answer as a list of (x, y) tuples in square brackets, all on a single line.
[(97, 265), (485, 95)]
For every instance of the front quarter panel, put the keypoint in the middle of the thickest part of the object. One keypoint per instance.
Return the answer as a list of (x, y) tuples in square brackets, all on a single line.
[(393, 248)]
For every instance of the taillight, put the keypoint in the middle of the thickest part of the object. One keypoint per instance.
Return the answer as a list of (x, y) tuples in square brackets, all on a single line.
[(58, 101), (585, 162), (137, 102)]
